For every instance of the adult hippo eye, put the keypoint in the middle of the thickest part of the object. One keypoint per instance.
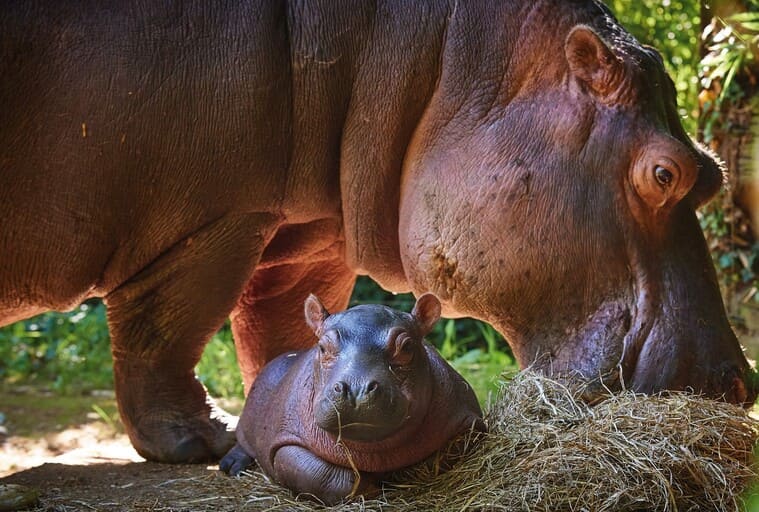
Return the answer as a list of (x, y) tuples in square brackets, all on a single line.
[(663, 173), (663, 176)]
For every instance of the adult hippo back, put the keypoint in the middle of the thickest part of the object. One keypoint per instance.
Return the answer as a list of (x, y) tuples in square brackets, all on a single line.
[(190, 161)]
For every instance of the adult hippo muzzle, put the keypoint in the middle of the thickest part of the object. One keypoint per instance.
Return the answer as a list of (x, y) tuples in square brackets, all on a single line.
[(193, 162)]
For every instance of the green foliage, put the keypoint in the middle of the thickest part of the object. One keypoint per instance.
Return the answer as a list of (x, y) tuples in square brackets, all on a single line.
[(218, 369), (732, 45), (33, 411), (480, 366), (729, 82), (736, 263), (70, 351), (732, 50), (109, 419), (672, 27)]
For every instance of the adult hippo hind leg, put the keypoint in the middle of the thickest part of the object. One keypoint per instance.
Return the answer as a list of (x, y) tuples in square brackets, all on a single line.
[(268, 319), (161, 319)]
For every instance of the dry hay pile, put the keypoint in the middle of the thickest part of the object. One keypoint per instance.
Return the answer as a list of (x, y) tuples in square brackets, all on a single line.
[(549, 450)]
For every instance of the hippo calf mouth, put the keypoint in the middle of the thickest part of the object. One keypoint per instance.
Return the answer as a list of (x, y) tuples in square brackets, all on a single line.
[(353, 422)]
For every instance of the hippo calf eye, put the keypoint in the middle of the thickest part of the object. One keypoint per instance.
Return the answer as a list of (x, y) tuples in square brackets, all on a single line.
[(403, 352), (663, 176)]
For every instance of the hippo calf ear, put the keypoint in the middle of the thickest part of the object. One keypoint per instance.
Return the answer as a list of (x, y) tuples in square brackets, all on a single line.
[(426, 312), (592, 62), (316, 313)]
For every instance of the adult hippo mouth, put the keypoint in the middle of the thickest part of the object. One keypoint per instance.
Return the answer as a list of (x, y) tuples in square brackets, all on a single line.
[(665, 330), (716, 375), (681, 338), (662, 342)]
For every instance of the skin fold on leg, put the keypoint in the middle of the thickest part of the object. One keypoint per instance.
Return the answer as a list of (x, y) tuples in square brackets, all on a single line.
[(268, 319)]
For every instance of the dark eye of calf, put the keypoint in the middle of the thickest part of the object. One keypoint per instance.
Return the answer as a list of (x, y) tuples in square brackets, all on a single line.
[(327, 350), (402, 350)]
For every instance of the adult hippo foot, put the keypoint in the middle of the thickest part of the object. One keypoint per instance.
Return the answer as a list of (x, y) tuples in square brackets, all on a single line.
[(168, 415), (178, 437), (235, 461)]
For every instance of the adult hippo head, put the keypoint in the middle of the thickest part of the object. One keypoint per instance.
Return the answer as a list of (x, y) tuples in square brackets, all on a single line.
[(557, 201), (192, 162)]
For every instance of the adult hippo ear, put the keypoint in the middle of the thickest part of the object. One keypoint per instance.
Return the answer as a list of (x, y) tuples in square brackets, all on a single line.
[(592, 62), (316, 313), (426, 312)]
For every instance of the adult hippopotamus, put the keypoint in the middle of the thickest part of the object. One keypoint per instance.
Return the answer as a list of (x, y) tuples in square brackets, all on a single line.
[(369, 398), (192, 161)]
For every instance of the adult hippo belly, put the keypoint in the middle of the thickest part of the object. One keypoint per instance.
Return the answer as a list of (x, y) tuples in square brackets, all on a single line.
[(190, 162)]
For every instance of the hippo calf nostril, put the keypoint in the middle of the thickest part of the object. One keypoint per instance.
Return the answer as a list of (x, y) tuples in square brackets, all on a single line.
[(372, 387), (341, 389)]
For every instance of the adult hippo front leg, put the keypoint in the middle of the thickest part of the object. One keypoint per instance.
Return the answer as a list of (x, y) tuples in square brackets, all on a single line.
[(267, 320), (161, 319)]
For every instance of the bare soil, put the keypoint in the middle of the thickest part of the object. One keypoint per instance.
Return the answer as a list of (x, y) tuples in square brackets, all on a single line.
[(73, 450)]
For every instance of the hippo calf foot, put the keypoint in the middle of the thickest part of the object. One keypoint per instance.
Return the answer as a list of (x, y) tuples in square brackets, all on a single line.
[(235, 461)]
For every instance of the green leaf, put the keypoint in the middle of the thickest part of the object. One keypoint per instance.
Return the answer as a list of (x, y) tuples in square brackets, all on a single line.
[(742, 17), (730, 75)]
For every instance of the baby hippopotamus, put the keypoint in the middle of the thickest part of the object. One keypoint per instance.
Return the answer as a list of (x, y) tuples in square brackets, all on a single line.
[(372, 396)]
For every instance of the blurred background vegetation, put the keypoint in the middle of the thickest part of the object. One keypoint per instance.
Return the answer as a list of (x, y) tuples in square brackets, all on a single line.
[(70, 352)]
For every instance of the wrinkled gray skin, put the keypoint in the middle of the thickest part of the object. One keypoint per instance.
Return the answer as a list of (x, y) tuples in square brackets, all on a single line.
[(197, 161), (372, 394)]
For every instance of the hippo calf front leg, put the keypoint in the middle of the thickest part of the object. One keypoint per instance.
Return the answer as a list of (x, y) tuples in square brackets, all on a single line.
[(303, 472), (235, 461)]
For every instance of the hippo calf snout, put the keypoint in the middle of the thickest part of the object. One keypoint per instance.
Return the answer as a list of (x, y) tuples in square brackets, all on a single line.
[(359, 396), (361, 409), (363, 393)]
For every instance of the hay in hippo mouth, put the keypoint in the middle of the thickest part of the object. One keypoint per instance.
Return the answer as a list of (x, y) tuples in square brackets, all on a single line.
[(547, 449)]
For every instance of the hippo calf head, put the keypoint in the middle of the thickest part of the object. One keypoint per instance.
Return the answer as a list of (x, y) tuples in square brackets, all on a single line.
[(371, 371), (557, 201)]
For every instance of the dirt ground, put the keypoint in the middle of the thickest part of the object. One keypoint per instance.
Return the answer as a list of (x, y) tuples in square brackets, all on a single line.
[(75, 453)]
